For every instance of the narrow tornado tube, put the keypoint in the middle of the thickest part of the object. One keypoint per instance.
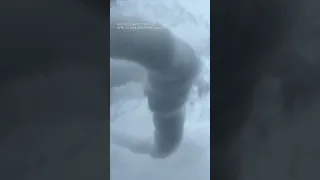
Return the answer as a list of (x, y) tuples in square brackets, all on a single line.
[(172, 67)]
